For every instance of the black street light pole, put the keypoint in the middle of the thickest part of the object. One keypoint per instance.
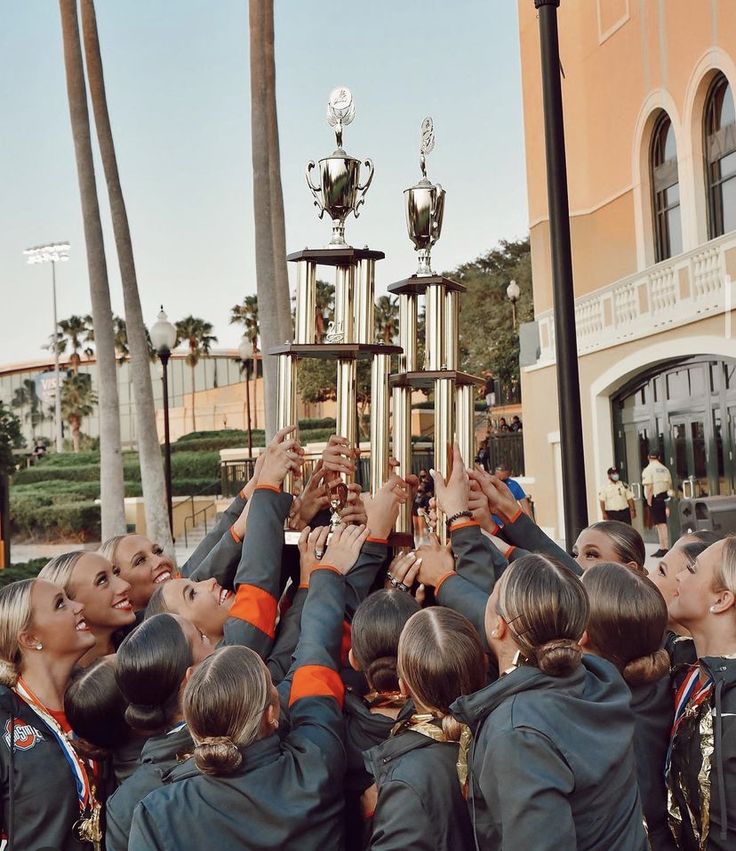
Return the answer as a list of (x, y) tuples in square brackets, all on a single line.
[(164, 355), (568, 380)]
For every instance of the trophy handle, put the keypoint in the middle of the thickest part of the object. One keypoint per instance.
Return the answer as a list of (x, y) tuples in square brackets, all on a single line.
[(315, 190), (363, 187), (438, 202)]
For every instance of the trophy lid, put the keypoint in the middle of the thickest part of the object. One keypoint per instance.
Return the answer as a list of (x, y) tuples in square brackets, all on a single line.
[(426, 147)]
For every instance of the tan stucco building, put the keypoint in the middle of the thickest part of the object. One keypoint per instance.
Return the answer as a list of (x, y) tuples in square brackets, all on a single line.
[(651, 152)]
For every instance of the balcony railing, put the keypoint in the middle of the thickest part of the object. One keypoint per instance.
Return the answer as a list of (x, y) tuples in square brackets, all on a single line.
[(672, 293)]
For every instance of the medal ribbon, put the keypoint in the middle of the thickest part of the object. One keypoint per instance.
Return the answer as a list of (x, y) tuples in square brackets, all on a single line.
[(689, 696), (78, 769)]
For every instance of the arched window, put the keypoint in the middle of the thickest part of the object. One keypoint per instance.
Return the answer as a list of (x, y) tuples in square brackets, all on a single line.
[(720, 157), (665, 190)]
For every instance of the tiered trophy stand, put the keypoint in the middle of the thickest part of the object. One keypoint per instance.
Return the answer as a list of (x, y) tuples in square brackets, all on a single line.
[(454, 394), (351, 337)]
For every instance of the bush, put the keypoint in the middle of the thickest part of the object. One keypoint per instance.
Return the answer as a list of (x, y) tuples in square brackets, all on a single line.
[(325, 422), (22, 570), (79, 521), (212, 444), (79, 473), (195, 465), (195, 487)]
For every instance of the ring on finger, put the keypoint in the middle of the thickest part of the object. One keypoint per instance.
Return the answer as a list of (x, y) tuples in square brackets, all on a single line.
[(390, 576), (402, 587), (319, 553)]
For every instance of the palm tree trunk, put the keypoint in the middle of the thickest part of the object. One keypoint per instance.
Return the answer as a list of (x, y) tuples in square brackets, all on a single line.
[(112, 488), (194, 419), (278, 225), (263, 132), (149, 449), (75, 423)]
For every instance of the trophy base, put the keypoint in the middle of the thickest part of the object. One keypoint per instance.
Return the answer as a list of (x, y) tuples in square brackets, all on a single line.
[(417, 285), (335, 351), (425, 379), (347, 256)]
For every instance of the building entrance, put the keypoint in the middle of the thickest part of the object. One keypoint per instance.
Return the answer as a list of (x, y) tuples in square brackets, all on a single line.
[(687, 412)]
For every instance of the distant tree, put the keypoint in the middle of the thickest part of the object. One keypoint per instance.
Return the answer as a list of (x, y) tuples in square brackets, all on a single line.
[(387, 318), (324, 308), (121, 338), (76, 334), (78, 400), (11, 437), (26, 396), (246, 314), (488, 339), (197, 334)]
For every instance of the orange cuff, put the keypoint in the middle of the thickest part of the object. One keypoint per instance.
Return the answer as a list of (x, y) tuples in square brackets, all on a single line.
[(507, 554), (274, 488), (376, 541), (443, 579), (235, 535), (256, 607), (516, 516), (316, 681), (463, 525)]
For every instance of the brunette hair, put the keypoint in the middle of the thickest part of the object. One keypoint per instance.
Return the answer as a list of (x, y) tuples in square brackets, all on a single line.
[(15, 617), (95, 706), (224, 702), (546, 610), (150, 665), (59, 570), (375, 632), (627, 542), (724, 575), (628, 619), (441, 658)]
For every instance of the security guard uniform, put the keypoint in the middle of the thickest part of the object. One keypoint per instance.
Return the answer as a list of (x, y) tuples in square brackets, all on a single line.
[(615, 497), (658, 476)]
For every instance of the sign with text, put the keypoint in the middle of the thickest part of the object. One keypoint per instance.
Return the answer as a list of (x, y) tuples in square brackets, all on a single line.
[(46, 386)]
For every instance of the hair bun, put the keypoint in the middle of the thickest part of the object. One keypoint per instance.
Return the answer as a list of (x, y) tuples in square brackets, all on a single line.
[(647, 669), (217, 755), (146, 717), (8, 674), (558, 658), (382, 674)]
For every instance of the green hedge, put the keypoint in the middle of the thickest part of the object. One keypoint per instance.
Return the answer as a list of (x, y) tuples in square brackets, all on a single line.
[(71, 520), (23, 570), (210, 444)]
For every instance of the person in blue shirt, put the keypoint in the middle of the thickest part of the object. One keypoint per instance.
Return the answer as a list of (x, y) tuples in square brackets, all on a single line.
[(503, 472)]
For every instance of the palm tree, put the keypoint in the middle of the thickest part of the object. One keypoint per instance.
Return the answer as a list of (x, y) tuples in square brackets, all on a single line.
[(197, 334), (78, 400), (271, 278), (324, 308), (246, 314), (112, 492), (26, 396), (121, 338), (76, 333), (137, 342), (387, 318)]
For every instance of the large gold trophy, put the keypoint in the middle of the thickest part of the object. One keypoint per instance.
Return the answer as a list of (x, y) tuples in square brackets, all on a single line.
[(454, 391), (351, 337)]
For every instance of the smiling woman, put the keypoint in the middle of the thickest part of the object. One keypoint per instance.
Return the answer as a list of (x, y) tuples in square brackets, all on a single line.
[(142, 563), (90, 579)]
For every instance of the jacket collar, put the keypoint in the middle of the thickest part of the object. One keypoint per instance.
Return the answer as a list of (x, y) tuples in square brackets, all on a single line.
[(260, 753), (721, 668), (377, 758), (168, 746)]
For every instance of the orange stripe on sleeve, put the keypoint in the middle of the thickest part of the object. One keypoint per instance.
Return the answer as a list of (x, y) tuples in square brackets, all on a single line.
[(376, 540), (507, 554), (463, 525), (256, 607), (274, 488), (316, 681), (443, 579), (346, 642), (516, 516)]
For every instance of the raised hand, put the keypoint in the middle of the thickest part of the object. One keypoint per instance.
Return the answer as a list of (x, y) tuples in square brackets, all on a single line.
[(478, 504), (250, 486), (383, 507), (436, 561), (345, 546), (314, 498), (403, 571), (338, 457), (453, 495), (283, 455), (312, 544), (500, 499), (354, 510)]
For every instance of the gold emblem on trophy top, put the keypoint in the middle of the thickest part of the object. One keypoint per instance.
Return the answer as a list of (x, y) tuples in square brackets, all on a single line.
[(340, 190)]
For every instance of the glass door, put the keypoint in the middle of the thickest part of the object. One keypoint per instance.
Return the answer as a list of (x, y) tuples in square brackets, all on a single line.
[(636, 446), (689, 457)]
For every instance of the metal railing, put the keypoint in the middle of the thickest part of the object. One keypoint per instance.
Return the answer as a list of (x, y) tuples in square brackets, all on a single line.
[(189, 520)]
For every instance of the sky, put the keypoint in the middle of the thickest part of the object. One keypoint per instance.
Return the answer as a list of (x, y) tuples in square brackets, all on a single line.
[(178, 90)]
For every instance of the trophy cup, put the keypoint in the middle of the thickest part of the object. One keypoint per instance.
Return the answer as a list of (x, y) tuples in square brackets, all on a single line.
[(425, 205), (454, 394), (338, 501), (340, 191), (352, 335)]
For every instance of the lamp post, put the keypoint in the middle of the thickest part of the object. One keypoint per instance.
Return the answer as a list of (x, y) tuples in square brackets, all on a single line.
[(512, 294), (568, 378), (245, 350), (163, 339), (52, 253)]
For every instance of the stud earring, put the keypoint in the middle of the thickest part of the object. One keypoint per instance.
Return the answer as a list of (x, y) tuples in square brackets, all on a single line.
[(712, 610), (494, 633), (39, 646)]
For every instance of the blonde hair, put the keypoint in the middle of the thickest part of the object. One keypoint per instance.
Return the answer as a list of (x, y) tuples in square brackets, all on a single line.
[(15, 617), (224, 703), (724, 573), (109, 549), (59, 570), (546, 610), (440, 657)]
